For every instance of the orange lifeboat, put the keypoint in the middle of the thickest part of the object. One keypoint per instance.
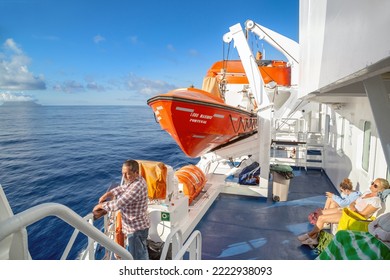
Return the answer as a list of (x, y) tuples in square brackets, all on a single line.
[(233, 72), (199, 121), (203, 120)]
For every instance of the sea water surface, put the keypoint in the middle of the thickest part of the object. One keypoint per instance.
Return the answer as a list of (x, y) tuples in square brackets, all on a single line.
[(71, 155)]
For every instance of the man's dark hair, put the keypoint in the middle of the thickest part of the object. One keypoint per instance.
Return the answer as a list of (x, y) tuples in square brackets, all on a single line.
[(132, 164)]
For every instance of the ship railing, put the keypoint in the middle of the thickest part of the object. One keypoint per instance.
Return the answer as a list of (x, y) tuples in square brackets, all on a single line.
[(109, 229), (89, 250), (17, 223), (193, 245)]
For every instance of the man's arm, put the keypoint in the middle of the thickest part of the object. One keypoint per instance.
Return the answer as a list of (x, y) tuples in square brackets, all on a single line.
[(107, 196)]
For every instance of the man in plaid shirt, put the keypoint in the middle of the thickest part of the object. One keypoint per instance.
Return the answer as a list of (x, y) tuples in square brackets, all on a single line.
[(132, 199)]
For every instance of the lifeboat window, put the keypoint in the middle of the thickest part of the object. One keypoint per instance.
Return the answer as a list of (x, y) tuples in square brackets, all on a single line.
[(366, 145)]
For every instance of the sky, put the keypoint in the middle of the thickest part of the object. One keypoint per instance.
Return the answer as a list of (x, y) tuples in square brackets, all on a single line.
[(122, 52)]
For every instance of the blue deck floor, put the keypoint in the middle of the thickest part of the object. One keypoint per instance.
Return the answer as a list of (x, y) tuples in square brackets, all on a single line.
[(247, 228)]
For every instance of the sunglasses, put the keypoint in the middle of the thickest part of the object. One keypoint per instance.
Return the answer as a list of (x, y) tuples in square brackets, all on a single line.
[(375, 185)]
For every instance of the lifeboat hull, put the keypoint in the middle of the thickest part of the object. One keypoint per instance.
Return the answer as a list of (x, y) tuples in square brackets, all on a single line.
[(199, 121)]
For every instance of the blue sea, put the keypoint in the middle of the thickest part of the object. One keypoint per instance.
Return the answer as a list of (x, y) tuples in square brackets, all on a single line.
[(71, 155)]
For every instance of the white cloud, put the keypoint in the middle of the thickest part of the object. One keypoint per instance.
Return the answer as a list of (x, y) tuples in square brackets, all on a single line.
[(73, 86), (70, 86), (131, 83), (98, 38), (95, 86), (14, 72), (11, 45), (146, 86), (6, 96)]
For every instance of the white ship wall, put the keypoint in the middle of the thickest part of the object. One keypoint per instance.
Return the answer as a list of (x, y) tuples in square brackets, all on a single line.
[(339, 39), (345, 46), (344, 145)]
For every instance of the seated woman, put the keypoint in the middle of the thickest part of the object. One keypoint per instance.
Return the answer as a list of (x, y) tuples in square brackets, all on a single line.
[(366, 205), (358, 245), (347, 196)]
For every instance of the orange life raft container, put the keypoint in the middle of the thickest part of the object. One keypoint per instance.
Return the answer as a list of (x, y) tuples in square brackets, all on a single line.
[(193, 180)]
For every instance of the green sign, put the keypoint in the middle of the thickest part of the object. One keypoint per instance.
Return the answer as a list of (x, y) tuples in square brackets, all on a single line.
[(165, 216)]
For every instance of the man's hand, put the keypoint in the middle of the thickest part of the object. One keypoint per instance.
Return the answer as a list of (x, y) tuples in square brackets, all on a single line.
[(98, 212)]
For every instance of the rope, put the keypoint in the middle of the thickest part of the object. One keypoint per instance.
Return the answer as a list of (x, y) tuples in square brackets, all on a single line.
[(222, 84)]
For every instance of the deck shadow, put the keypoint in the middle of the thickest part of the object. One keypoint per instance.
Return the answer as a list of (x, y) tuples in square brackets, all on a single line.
[(249, 228)]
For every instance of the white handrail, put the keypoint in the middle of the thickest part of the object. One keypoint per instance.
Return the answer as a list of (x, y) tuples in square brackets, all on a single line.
[(36, 213), (73, 239), (179, 239), (194, 255), (196, 248)]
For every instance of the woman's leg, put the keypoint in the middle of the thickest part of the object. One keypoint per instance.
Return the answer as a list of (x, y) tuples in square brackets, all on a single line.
[(327, 203), (332, 204), (332, 217)]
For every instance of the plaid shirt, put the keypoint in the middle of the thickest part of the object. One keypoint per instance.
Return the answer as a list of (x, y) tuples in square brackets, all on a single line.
[(132, 200)]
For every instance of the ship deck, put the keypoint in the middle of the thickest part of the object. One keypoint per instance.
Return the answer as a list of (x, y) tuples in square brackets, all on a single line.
[(240, 227)]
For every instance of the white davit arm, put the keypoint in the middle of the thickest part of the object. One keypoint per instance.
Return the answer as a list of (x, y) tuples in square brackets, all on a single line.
[(285, 45), (248, 61), (289, 48)]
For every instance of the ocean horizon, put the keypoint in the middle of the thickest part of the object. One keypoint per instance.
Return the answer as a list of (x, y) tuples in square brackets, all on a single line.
[(71, 154)]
